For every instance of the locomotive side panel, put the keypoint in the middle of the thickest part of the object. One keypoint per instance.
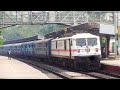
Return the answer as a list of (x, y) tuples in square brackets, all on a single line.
[(53, 48), (61, 48)]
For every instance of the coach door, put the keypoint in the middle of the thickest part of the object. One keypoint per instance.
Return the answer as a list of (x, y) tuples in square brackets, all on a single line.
[(70, 43), (67, 48)]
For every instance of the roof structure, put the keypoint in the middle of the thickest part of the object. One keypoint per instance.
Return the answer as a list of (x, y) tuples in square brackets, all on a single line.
[(12, 18), (92, 28)]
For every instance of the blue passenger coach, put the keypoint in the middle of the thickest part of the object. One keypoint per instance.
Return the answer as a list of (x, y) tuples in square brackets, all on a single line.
[(42, 48), (27, 49)]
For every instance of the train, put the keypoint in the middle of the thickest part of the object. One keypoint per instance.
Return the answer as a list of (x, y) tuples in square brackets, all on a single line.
[(80, 51)]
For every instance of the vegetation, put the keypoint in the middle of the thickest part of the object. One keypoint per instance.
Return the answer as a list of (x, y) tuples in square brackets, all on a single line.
[(20, 32), (104, 42), (1, 40)]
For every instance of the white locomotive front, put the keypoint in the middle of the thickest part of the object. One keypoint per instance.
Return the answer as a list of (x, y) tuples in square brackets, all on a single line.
[(83, 49)]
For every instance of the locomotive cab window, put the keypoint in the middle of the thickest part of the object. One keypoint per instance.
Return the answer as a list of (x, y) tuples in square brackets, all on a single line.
[(81, 42), (92, 41)]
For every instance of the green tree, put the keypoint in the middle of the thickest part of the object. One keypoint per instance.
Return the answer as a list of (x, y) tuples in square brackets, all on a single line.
[(104, 41), (1, 40)]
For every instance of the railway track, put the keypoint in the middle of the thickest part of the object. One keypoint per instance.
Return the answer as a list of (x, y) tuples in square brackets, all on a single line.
[(109, 73), (64, 74), (71, 74), (101, 75)]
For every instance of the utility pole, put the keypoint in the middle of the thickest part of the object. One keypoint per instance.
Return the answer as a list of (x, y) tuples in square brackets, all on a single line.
[(115, 31), (118, 28)]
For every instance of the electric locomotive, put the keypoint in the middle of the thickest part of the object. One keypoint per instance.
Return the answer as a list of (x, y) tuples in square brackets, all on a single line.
[(81, 51)]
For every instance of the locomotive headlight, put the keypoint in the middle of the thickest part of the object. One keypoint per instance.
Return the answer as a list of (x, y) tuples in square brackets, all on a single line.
[(96, 49)]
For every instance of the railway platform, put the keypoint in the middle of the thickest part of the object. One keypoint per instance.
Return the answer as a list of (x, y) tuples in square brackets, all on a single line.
[(111, 64), (14, 69)]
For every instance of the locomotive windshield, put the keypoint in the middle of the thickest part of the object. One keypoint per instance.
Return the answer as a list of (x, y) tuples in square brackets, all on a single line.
[(81, 42), (92, 41)]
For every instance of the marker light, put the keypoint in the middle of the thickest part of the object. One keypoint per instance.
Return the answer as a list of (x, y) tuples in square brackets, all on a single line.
[(96, 49)]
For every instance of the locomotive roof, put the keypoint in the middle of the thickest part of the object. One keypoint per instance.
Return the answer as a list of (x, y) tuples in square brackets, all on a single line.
[(44, 40), (79, 35), (84, 35)]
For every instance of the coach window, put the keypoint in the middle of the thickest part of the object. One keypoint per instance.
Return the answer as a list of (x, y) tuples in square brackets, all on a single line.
[(65, 44)]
